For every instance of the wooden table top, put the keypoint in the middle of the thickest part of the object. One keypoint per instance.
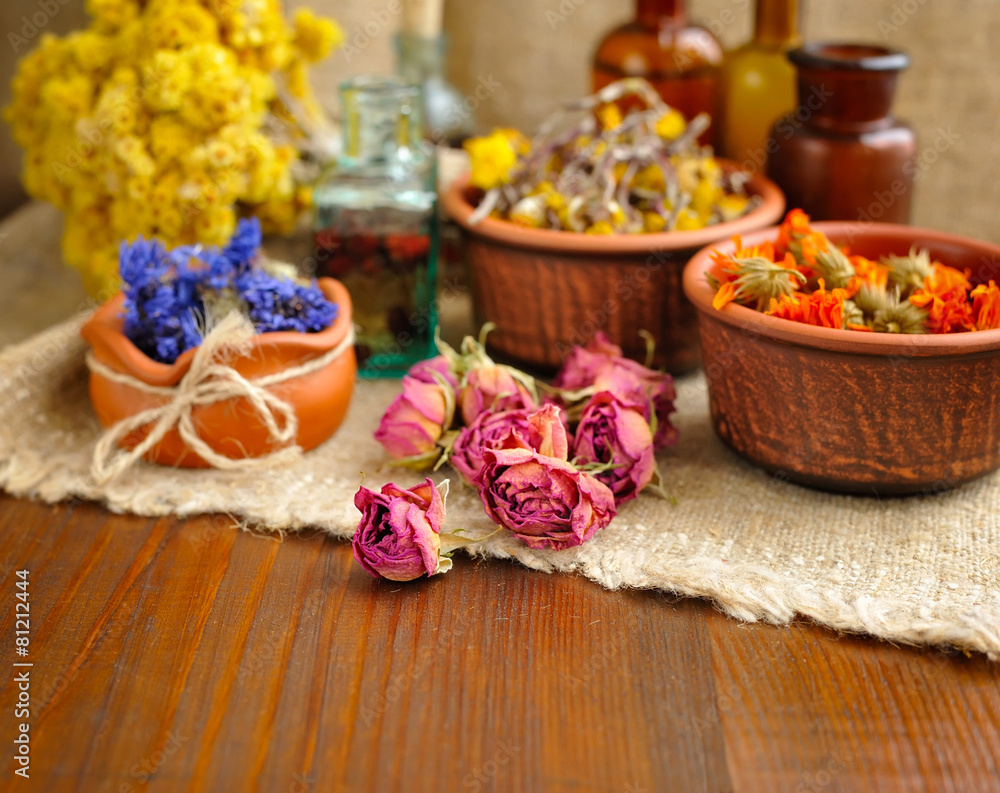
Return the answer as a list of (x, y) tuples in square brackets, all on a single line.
[(176, 655), (185, 655)]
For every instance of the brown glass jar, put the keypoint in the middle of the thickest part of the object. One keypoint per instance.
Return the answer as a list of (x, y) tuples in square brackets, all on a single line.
[(681, 60), (841, 155)]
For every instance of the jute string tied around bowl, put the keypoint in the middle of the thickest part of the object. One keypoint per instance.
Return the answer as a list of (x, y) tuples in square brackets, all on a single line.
[(209, 380)]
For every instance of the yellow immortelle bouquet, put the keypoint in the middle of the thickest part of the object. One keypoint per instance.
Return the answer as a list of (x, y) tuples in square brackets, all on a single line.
[(168, 118)]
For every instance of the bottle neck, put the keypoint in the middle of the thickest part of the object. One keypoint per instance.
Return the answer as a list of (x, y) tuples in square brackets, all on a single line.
[(382, 122), (777, 23), (655, 13), (847, 101)]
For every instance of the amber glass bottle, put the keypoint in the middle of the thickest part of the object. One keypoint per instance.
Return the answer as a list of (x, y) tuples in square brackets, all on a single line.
[(842, 155), (680, 59), (758, 84)]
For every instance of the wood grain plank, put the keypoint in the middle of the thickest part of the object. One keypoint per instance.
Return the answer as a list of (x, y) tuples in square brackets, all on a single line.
[(174, 599), (216, 671), (517, 671), (247, 728), (806, 709), (291, 753)]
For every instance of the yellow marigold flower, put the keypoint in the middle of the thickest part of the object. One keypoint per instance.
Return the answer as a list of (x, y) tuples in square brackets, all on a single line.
[(618, 216), (168, 81), (494, 156), (689, 220), (671, 125), (653, 222), (650, 178), (112, 14), (600, 227), (315, 36), (705, 196), (732, 206), (609, 116)]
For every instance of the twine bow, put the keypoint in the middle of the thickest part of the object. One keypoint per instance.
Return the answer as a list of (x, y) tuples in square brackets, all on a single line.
[(209, 380)]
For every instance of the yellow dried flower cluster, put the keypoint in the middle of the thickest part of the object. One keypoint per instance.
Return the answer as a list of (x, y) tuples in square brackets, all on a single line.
[(167, 118), (614, 172)]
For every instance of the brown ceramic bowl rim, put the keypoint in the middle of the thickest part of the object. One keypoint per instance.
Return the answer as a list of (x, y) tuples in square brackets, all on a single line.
[(770, 210), (851, 56), (105, 328), (754, 323)]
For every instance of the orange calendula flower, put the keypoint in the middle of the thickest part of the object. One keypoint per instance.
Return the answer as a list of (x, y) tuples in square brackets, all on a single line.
[(945, 299), (794, 227), (751, 276), (726, 294), (868, 272), (986, 306), (944, 279), (822, 308)]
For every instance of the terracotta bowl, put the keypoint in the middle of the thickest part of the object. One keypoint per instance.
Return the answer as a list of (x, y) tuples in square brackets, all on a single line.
[(547, 290), (851, 411), (231, 427)]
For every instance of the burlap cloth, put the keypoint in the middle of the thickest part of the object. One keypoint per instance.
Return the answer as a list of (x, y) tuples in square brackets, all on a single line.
[(921, 570)]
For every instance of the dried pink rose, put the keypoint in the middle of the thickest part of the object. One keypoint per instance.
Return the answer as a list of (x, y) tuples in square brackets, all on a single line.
[(540, 430), (398, 536), (600, 366), (544, 500), (614, 433), (547, 432), (416, 419), (425, 371), (487, 432), (492, 387)]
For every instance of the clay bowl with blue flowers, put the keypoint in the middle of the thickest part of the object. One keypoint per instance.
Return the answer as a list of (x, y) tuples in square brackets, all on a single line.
[(231, 427)]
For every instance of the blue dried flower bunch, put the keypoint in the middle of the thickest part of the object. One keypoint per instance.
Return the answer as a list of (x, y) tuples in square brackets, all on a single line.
[(171, 295)]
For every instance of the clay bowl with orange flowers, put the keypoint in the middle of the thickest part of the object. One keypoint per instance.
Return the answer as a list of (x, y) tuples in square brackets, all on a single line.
[(547, 290), (850, 411), (230, 427)]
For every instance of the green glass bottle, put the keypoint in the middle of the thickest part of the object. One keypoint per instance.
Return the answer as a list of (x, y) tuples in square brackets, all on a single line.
[(375, 224), (758, 84)]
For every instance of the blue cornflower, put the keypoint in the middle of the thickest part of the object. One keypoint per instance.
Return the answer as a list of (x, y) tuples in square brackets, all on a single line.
[(166, 292), (275, 303), (243, 245)]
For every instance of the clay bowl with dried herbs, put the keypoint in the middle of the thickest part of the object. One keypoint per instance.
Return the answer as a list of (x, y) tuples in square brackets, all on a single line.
[(588, 226), (547, 290), (849, 411)]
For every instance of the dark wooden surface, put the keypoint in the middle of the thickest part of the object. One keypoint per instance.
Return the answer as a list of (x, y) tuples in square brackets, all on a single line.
[(188, 656)]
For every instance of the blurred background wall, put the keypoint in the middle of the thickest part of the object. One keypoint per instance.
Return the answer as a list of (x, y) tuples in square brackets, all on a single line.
[(538, 52)]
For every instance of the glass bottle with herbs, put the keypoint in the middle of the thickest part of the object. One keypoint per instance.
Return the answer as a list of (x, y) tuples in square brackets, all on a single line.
[(375, 217), (680, 59), (758, 84)]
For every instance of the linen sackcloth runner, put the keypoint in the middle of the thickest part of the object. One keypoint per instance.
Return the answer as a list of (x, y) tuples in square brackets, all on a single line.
[(921, 570)]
